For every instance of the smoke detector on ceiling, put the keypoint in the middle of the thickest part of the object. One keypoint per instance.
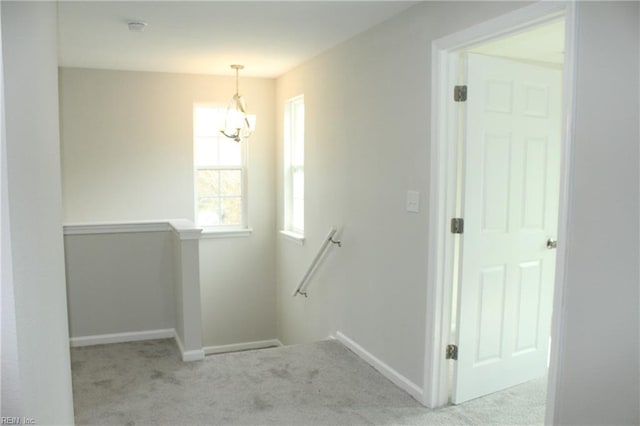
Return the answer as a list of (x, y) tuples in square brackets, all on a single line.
[(137, 26)]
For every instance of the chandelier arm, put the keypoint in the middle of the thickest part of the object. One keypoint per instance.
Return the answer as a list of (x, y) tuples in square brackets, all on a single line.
[(235, 136)]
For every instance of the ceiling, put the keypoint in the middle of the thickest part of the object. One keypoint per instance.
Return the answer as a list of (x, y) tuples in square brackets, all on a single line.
[(541, 44), (205, 37)]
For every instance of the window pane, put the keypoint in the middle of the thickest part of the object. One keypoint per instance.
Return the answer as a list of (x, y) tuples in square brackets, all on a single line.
[(230, 152), (231, 211), (299, 112), (209, 211), (298, 136), (207, 182), (231, 182), (297, 215), (206, 151), (297, 156), (294, 164), (298, 183), (219, 168)]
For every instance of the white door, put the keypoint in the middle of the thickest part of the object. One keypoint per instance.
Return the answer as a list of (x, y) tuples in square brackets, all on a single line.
[(510, 208)]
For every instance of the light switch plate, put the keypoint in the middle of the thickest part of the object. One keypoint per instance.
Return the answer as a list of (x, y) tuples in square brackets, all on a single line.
[(413, 201)]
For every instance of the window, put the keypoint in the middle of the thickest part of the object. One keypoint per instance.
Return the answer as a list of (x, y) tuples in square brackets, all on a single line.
[(294, 165), (220, 173)]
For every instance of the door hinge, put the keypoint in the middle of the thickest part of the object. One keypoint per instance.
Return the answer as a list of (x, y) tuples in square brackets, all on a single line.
[(457, 225), (460, 93), (452, 352)]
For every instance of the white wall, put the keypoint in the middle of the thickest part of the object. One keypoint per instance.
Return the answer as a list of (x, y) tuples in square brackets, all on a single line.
[(119, 283), (367, 142), (127, 155), (34, 195), (10, 404), (367, 106), (599, 375)]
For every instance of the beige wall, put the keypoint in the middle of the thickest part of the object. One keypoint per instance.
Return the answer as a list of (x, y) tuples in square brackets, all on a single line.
[(127, 142), (238, 289), (127, 155), (367, 143), (367, 135), (598, 385)]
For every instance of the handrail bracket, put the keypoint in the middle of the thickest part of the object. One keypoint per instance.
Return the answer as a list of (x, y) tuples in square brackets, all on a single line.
[(338, 243)]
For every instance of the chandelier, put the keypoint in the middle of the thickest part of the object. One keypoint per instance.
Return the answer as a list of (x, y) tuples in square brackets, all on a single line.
[(238, 124)]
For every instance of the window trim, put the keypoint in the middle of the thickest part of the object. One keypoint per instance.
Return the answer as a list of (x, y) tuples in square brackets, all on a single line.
[(219, 231), (208, 233), (293, 237)]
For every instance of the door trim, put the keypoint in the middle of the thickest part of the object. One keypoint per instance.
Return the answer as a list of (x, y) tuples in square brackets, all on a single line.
[(443, 163)]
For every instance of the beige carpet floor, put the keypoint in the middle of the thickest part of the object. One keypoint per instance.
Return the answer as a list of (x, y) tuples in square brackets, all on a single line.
[(323, 383)]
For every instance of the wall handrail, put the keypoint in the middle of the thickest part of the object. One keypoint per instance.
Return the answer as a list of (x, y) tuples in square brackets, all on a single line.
[(302, 287)]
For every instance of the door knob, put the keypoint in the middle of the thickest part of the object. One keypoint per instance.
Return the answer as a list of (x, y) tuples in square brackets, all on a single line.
[(551, 243)]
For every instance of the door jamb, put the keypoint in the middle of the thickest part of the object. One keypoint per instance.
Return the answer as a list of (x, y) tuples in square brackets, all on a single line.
[(442, 192)]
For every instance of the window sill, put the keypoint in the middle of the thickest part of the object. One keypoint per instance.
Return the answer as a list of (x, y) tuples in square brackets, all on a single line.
[(293, 236), (225, 233)]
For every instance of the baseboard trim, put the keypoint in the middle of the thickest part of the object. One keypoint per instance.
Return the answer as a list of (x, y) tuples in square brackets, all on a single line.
[(258, 344), (103, 339), (136, 336), (384, 369), (188, 356)]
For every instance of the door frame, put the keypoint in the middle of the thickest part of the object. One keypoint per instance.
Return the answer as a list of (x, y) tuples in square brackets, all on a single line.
[(443, 175)]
